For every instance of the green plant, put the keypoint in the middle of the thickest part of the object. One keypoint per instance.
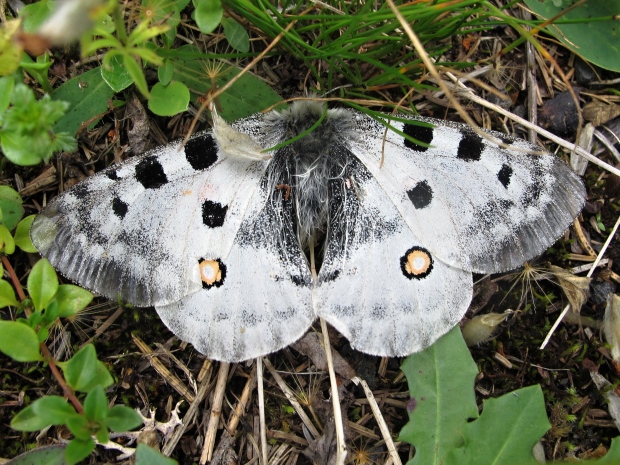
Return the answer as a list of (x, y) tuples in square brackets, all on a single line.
[(26, 134), (444, 424)]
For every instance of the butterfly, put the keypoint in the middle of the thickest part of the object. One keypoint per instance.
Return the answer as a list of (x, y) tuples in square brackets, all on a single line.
[(245, 235)]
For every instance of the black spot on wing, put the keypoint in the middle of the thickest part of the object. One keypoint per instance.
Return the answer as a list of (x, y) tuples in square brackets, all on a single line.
[(201, 152), (420, 133), (504, 175), (119, 207), (80, 191), (213, 213), (507, 140), (150, 173), (112, 174), (420, 195), (470, 147)]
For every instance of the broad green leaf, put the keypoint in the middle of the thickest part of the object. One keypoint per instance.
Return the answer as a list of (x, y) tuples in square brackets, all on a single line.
[(7, 242), (247, 96), (19, 341), (7, 295), (596, 41), (34, 14), (101, 378), (11, 206), (115, 74), (81, 369), (236, 35), (13, 146), (28, 420), (441, 386), (71, 299), (121, 418), (88, 96), (42, 284), (165, 72), (207, 14), (7, 83), (612, 457), (169, 100), (96, 405), (146, 455), (506, 432), (47, 455), (79, 427), (22, 235), (54, 410), (78, 450)]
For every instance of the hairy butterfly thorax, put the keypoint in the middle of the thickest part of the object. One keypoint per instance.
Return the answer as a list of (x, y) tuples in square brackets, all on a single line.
[(216, 234), (306, 170)]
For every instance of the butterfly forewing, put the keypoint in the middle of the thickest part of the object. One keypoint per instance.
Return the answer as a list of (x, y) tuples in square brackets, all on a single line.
[(476, 205)]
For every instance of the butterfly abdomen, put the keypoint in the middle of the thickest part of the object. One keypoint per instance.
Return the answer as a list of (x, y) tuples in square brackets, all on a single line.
[(310, 163)]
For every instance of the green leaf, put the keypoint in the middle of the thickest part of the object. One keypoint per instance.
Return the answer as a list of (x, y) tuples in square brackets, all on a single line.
[(7, 243), (34, 14), (146, 455), (78, 450), (247, 96), (595, 41), (207, 14), (79, 427), (102, 378), (71, 299), (165, 72), (15, 148), (115, 74), (236, 35), (122, 418), (612, 457), (96, 405), (441, 386), (47, 455), (28, 420), (169, 100), (11, 206), (54, 410), (81, 369), (7, 83), (506, 431), (42, 284), (22, 235), (7, 295), (19, 341), (137, 74), (88, 96)]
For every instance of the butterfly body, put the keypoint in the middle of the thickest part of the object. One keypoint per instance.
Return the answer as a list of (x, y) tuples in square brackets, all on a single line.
[(219, 238)]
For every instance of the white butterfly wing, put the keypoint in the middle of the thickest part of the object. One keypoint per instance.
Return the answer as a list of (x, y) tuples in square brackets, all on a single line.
[(138, 231), (475, 205), (263, 300), (378, 286)]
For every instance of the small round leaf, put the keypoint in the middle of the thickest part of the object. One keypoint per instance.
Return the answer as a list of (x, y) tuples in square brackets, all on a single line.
[(169, 100)]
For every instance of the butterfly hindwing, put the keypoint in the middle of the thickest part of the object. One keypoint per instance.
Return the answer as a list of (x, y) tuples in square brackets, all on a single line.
[(407, 297), (137, 230), (262, 299), (478, 206)]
